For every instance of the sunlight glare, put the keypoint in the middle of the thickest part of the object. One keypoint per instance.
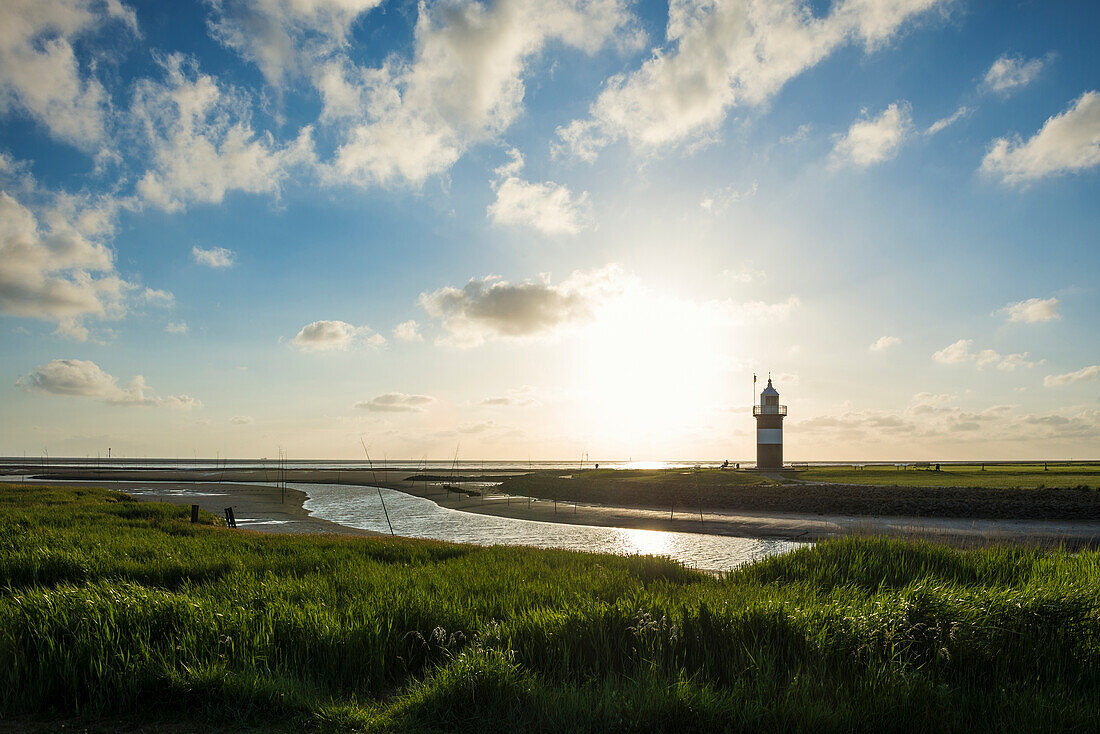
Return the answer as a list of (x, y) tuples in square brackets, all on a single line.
[(655, 365), (645, 542)]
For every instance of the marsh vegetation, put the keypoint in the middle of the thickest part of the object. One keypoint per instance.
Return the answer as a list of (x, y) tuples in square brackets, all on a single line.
[(1024, 493), (125, 612)]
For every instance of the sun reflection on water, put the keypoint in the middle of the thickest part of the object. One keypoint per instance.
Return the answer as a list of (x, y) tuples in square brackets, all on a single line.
[(644, 542), (645, 465)]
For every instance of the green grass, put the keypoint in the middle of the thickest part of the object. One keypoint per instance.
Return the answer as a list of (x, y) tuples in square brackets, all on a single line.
[(114, 611), (967, 492), (636, 487), (997, 476)]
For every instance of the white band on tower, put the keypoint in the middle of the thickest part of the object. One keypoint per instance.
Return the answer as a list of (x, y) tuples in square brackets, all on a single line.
[(769, 435)]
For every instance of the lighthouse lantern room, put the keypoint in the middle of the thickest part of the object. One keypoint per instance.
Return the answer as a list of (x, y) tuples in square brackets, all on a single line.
[(769, 429)]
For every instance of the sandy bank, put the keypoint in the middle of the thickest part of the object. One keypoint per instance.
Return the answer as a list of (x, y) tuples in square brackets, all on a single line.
[(257, 507)]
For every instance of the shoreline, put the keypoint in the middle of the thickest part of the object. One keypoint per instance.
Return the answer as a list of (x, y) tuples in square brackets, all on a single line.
[(259, 507), (801, 527)]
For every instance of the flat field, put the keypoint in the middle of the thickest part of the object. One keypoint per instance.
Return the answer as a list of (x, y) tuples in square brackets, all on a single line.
[(1015, 493), (997, 476), (116, 615)]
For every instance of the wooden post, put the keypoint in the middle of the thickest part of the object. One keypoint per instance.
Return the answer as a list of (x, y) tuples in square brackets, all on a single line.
[(230, 520), (194, 513)]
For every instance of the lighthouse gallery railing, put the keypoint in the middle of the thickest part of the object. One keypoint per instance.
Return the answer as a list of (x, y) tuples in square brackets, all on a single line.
[(769, 410)]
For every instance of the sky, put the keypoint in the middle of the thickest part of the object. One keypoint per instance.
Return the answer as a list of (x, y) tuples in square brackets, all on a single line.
[(544, 229)]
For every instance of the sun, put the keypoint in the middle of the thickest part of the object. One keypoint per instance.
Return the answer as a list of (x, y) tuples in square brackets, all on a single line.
[(653, 366)]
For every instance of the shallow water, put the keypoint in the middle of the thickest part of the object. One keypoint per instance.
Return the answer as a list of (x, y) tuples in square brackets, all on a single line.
[(417, 517)]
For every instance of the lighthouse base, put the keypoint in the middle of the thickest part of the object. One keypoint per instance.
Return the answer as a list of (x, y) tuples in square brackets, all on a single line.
[(769, 456)]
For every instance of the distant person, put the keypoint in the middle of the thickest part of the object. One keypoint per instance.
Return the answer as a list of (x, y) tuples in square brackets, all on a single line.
[(937, 467), (597, 466), (726, 464)]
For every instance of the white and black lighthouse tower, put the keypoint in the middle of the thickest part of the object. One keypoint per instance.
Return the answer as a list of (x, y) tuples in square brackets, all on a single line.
[(769, 429)]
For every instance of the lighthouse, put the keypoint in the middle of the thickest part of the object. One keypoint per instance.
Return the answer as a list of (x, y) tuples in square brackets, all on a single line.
[(769, 429)]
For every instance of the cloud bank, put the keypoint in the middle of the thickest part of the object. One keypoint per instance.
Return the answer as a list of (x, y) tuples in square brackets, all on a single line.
[(548, 207), (492, 308), (960, 353), (1082, 375), (1066, 143), (54, 266), (213, 257), (410, 119), (883, 343), (81, 378), (1009, 73), (875, 139), (1032, 311), (396, 402), (329, 336), (725, 55)]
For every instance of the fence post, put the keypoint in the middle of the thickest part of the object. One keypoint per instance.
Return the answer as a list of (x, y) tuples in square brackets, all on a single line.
[(194, 513)]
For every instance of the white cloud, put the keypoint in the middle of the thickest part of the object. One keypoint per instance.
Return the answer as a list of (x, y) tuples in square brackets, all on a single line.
[(73, 329), (802, 133), (408, 331), (1066, 143), (759, 312), (155, 297), (725, 55), (1082, 375), (396, 402), (284, 38), (81, 378), (956, 353), (173, 327), (944, 123), (39, 71), (518, 397), (722, 198), (242, 420), (546, 206), (873, 140), (883, 343), (490, 307), (409, 120), (213, 257), (327, 336), (53, 265), (1032, 310), (1009, 73), (960, 353), (1010, 362), (747, 274), (936, 417), (202, 142)]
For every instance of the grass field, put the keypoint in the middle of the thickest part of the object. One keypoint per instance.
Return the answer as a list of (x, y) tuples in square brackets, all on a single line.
[(1026, 493), (996, 476), (115, 614)]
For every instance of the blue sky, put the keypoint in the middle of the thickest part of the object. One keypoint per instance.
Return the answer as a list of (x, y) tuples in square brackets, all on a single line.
[(534, 229)]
